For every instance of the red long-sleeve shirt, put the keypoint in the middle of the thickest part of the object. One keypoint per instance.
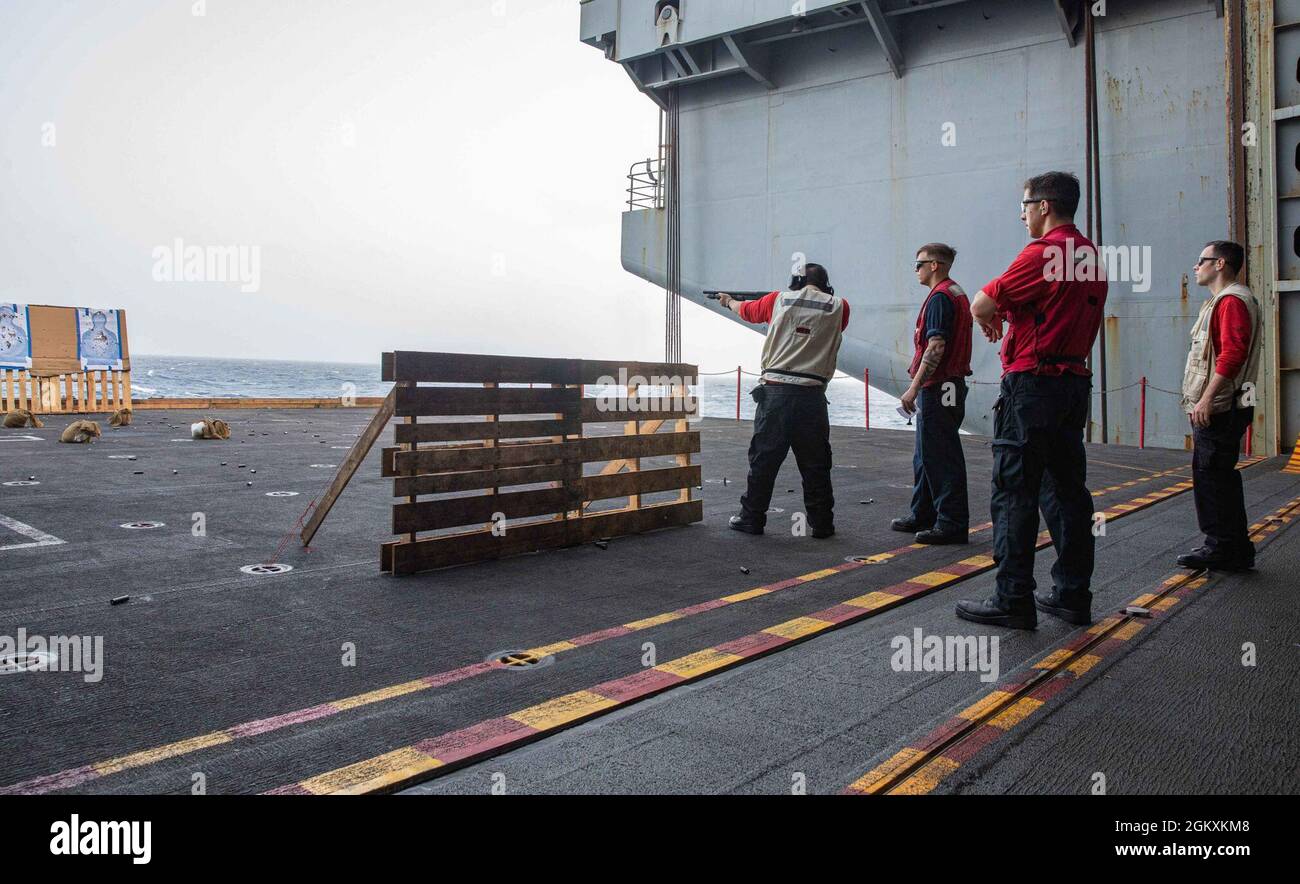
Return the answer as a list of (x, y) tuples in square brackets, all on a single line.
[(760, 311), (1230, 330), (1053, 303)]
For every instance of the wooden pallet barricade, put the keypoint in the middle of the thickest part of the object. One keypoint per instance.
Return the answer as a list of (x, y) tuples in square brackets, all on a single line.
[(497, 458)]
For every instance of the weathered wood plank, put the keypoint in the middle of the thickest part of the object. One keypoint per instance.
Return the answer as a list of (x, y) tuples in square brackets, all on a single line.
[(476, 546), (458, 549), (485, 430), (435, 515), (452, 401), (641, 482), (647, 518), (593, 371), (473, 368), (445, 460), (598, 448), (348, 468), (645, 408), (448, 483), (595, 448)]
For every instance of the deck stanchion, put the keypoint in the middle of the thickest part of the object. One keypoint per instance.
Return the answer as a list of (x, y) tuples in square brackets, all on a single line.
[(737, 392), (1250, 440), (1142, 421), (866, 397)]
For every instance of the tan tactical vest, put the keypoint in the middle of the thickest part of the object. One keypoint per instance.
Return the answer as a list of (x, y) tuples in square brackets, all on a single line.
[(1201, 360), (803, 338)]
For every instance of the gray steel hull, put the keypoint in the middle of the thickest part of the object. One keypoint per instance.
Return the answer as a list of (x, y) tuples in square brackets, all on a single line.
[(848, 164)]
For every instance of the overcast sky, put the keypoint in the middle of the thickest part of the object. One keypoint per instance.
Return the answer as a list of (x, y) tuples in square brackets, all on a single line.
[(415, 174)]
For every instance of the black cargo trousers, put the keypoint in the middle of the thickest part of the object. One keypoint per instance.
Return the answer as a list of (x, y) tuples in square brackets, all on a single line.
[(1216, 483), (1039, 462), (790, 416)]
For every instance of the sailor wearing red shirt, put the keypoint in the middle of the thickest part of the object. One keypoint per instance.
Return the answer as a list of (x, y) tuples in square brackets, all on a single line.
[(1053, 296), (937, 395), (805, 327), (1219, 397)]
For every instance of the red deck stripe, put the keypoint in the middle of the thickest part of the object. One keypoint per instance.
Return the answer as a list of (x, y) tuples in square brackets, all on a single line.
[(639, 684), (592, 638), (265, 725), (475, 739), (752, 645)]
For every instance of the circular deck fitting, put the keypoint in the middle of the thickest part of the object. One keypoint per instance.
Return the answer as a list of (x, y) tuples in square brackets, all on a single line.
[(282, 494), (22, 483), (520, 660), (266, 570), (866, 560), (143, 526), (12, 664)]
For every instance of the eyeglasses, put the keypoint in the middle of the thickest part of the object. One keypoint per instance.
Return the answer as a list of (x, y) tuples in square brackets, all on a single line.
[(920, 264), (1032, 200), (1203, 260)]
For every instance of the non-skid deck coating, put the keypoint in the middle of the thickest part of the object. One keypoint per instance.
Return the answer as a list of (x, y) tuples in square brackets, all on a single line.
[(243, 678)]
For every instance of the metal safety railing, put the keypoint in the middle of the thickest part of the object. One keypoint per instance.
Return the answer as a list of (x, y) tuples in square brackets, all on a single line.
[(645, 184), (1142, 407)]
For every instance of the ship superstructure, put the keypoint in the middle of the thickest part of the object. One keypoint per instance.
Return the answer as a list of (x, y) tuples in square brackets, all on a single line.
[(852, 133)]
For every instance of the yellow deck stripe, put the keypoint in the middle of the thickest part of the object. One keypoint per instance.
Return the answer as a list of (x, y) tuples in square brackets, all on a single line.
[(387, 693), (886, 769), (798, 627), (746, 596), (1015, 713), (653, 621), (927, 778), (562, 710), (1084, 663), (160, 753), (1127, 631), (548, 650), (700, 662), (1060, 655), (873, 600), (983, 705), (933, 578), (371, 774), (1103, 624)]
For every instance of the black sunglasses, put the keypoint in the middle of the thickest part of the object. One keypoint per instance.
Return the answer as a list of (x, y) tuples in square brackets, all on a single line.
[(1203, 260), (920, 264)]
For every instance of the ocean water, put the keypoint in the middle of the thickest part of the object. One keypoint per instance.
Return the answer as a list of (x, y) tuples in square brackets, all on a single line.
[(169, 377)]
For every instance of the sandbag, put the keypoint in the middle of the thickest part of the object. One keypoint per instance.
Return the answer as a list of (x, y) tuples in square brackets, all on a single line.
[(208, 428), (21, 418), (79, 432)]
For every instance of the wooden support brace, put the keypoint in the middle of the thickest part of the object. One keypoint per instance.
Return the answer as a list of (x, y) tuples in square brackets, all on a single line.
[(349, 466)]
